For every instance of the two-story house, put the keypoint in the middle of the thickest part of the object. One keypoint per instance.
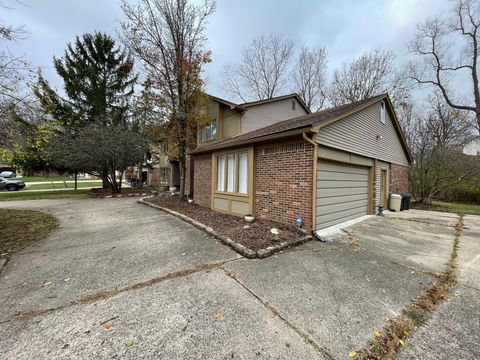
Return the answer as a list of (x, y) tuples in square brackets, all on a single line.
[(278, 161)]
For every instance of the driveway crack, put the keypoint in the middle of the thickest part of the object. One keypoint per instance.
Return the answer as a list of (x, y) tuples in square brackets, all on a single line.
[(107, 294), (289, 324)]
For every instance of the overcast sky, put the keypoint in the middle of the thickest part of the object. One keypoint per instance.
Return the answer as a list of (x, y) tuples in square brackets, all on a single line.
[(345, 28)]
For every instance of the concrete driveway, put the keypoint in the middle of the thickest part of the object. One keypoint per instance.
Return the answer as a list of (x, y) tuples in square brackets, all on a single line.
[(170, 292)]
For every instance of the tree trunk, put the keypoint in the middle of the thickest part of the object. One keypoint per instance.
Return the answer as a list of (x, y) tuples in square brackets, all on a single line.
[(105, 182), (76, 176), (181, 165)]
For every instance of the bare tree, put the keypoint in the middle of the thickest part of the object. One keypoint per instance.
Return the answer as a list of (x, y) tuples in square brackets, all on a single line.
[(371, 74), (168, 37), (309, 76), (262, 71), (14, 70), (440, 62), (435, 137)]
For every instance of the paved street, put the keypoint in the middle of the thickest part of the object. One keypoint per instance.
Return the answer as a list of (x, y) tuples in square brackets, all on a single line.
[(170, 292)]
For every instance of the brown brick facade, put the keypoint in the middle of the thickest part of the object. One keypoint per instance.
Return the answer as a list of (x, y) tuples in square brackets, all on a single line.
[(398, 178), (154, 177), (202, 186), (283, 182)]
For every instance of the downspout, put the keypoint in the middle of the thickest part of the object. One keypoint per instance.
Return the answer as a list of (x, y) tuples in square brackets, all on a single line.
[(314, 181)]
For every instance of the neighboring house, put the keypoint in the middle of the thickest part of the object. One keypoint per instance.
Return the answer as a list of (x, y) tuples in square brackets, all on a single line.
[(327, 167), (163, 171), (472, 147)]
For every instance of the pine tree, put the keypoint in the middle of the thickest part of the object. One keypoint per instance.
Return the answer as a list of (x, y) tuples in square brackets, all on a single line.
[(98, 83)]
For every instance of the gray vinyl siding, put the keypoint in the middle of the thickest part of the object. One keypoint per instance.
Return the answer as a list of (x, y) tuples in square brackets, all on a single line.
[(378, 180), (262, 115), (342, 193), (358, 132)]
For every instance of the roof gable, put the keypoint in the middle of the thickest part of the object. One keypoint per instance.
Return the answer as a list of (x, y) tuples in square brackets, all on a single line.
[(311, 122)]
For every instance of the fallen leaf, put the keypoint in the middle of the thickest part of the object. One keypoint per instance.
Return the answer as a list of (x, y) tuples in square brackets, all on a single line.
[(413, 271), (457, 293), (377, 333), (129, 343), (368, 279), (218, 315), (107, 325), (401, 342), (47, 283), (352, 354), (184, 254), (406, 333), (66, 279)]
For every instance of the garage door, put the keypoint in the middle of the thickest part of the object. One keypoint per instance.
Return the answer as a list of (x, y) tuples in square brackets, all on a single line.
[(342, 193)]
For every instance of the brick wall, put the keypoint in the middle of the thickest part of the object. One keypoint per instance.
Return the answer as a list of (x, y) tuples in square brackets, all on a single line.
[(202, 185), (398, 178), (154, 177), (283, 182), (175, 174)]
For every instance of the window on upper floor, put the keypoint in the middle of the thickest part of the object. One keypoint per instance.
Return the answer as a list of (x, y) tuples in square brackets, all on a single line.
[(382, 112), (293, 105), (208, 131)]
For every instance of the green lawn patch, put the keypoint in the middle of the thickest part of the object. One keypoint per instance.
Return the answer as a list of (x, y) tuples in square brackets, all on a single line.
[(470, 209), (44, 178), (88, 184), (20, 228), (54, 194)]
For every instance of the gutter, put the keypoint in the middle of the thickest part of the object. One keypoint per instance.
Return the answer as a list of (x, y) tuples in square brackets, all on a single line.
[(314, 180)]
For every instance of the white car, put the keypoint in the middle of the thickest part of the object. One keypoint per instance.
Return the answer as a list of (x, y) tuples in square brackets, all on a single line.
[(8, 174)]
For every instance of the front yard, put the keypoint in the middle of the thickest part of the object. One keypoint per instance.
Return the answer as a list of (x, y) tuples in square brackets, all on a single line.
[(54, 194), (466, 209), (20, 228)]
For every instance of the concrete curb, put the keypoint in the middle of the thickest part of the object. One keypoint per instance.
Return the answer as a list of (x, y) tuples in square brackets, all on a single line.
[(239, 248), (116, 196), (3, 262)]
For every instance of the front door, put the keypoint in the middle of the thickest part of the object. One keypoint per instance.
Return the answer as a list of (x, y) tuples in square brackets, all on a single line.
[(383, 188)]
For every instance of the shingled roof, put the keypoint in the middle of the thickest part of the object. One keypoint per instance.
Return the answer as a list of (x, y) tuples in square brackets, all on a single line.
[(289, 126)]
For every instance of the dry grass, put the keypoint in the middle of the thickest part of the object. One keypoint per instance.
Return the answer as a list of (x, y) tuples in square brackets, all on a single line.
[(395, 333), (20, 228)]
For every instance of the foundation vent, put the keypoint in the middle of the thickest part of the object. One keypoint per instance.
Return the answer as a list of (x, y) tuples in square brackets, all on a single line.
[(281, 149)]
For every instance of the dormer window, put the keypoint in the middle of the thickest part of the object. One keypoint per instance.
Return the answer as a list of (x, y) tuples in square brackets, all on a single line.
[(208, 131), (382, 112)]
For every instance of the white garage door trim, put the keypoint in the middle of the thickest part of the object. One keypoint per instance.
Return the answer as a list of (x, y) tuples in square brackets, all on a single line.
[(342, 193)]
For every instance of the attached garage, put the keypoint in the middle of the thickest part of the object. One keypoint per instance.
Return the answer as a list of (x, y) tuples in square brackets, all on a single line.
[(342, 193)]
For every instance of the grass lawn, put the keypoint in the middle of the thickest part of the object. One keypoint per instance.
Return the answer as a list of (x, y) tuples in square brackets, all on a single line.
[(89, 184), (54, 194), (470, 209), (44, 178), (20, 228)]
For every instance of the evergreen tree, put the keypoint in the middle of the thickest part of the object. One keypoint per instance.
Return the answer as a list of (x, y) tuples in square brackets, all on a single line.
[(98, 83)]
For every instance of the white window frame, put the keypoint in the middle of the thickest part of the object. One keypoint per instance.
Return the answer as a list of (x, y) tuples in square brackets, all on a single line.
[(382, 112), (222, 181), (210, 129)]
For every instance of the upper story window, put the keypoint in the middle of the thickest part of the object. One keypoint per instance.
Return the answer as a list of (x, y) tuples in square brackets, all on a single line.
[(382, 112), (208, 131), (293, 105), (163, 146)]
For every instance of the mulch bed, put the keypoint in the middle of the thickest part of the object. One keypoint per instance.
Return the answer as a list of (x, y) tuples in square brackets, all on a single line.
[(256, 236), (102, 192)]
